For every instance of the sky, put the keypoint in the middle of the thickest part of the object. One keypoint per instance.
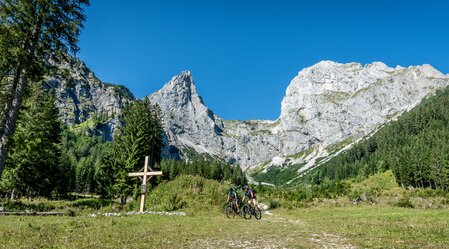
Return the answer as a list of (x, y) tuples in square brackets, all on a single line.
[(244, 53)]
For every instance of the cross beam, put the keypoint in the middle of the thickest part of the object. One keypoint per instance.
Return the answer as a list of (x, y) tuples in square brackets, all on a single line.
[(151, 173), (145, 174)]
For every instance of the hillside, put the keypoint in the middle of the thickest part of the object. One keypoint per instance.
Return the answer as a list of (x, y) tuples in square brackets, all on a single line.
[(414, 147), (81, 96), (327, 107)]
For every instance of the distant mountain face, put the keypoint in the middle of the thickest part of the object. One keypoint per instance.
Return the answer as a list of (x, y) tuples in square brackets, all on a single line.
[(190, 125), (326, 105), (80, 96)]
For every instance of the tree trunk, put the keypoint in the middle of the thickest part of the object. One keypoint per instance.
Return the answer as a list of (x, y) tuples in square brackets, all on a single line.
[(11, 114), (19, 86)]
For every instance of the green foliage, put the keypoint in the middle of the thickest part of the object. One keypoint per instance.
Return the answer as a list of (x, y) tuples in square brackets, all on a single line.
[(378, 182), (139, 136), (33, 165), (404, 202), (35, 35), (213, 170), (187, 192), (414, 147), (83, 157), (301, 194), (39, 32), (275, 203), (278, 175)]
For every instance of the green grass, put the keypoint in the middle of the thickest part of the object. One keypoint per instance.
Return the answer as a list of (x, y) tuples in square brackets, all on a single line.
[(319, 227), (397, 220), (277, 175), (187, 192), (338, 146), (302, 153), (374, 227)]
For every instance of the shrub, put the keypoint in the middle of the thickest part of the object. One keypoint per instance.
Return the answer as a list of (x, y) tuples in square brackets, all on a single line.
[(187, 192), (275, 203), (404, 202), (17, 206)]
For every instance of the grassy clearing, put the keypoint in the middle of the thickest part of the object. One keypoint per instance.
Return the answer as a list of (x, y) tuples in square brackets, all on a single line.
[(371, 222), (318, 227), (374, 227)]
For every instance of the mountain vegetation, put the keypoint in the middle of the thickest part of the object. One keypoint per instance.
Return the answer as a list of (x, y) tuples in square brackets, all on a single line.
[(74, 159), (35, 34), (209, 169), (33, 165), (415, 147)]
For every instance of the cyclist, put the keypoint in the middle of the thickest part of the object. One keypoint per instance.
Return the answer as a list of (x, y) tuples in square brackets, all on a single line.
[(232, 195), (251, 195)]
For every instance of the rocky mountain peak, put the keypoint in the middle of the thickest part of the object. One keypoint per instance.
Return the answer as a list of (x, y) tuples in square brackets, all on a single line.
[(181, 90), (80, 95), (328, 101), (325, 104)]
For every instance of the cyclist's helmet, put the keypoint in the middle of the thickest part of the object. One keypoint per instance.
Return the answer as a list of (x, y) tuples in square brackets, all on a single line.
[(245, 187)]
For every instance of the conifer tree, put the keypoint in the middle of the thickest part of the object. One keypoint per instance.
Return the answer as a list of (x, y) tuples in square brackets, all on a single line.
[(34, 36), (140, 135), (33, 163)]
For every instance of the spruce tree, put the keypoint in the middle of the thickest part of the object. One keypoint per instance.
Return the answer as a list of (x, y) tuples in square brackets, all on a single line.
[(33, 162), (140, 135), (34, 36)]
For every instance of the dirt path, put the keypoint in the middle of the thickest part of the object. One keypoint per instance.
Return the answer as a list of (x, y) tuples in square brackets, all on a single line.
[(294, 235), (322, 240)]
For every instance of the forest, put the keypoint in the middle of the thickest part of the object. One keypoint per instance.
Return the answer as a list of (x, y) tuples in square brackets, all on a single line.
[(415, 147)]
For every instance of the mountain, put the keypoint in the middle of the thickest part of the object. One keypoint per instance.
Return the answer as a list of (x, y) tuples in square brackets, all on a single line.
[(326, 104), (414, 147), (190, 125), (327, 107), (80, 95)]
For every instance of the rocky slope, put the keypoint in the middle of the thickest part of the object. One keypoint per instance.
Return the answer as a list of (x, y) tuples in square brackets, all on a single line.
[(327, 105), (80, 95), (189, 124)]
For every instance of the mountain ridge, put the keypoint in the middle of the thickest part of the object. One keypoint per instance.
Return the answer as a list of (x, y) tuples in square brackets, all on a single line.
[(243, 142), (324, 105)]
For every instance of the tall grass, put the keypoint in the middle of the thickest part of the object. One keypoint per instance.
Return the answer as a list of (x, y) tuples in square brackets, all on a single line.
[(187, 192)]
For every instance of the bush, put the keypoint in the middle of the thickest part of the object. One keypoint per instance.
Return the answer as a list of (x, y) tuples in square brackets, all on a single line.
[(274, 203), (404, 202), (187, 192)]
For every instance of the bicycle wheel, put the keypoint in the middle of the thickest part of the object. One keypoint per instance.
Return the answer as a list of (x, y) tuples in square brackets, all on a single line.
[(240, 212), (247, 212), (257, 213), (229, 211)]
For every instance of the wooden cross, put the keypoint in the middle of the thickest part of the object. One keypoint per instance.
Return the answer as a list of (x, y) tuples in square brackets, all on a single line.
[(145, 174)]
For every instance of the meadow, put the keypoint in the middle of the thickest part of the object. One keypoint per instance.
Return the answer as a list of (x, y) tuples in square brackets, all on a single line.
[(362, 226)]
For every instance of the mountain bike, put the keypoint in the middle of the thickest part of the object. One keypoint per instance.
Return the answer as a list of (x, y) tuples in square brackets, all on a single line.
[(249, 210), (231, 210)]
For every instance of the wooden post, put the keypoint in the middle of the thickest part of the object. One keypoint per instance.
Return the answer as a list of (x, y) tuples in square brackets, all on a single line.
[(143, 189), (145, 174)]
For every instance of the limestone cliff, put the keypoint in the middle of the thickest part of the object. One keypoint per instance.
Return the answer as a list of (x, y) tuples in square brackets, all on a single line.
[(325, 104)]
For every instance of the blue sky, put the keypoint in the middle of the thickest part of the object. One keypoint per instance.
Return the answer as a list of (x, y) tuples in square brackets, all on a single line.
[(243, 54)]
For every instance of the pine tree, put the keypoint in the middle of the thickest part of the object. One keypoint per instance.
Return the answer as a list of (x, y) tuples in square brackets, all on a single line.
[(35, 35), (140, 135), (33, 163)]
